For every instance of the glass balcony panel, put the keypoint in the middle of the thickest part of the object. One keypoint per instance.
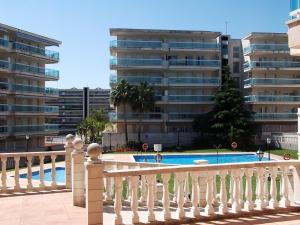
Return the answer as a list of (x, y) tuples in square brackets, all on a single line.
[(3, 129), (294, 5), (193, 80), (34, 108), (275, 116), (183, 116), (272, 98), (266, 47), (135, 62), (135, 44), (194, 45), (35, 70), (4, 42), (51, 91), (193, 62), (190, 98), (4, 64), (3, 86), (3, 108), (271, 81), (27, 88), (271, 64), (134, 116), (51, 127), (35, 50)]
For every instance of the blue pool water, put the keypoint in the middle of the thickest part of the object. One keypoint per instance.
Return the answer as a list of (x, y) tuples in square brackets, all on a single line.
[(211, 158), (60, 175)]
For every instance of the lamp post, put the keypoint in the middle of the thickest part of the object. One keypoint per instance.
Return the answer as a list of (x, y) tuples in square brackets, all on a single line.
[(260, 154), (109, 142), (268, 146), (178, 138), (27, 140)]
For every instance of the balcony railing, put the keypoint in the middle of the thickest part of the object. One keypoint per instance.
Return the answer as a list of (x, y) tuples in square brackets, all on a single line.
[(35, 70), (28, 108), (272, 98), (266, 47), (135, 44), (35, 50), (135, 62), (183, 116), (28, 89), (271, 64), (4, 65), (3, 86), (190, 98), (135, 79), (3, 129), (35, 128), (275, 116), (4, 42), (294, 5), (134, 116), (271, 81), (194, 63), (194, 80), (194, 45)]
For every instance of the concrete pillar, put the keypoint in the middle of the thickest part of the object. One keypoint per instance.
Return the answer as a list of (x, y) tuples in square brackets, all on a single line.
[(94, 186), (78, 172), (68, 160)]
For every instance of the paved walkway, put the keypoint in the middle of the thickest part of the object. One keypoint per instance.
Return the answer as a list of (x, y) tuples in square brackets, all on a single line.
[(57, 209)]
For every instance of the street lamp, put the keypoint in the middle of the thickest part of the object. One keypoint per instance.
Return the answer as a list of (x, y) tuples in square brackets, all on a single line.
[(260, 154), (268, 146), (27, 140)]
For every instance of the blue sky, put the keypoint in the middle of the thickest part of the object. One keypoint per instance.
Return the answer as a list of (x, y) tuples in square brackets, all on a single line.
[(83, 26)]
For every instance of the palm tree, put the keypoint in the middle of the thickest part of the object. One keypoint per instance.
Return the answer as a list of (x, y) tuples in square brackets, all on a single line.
[(120, 96), (142, 100)]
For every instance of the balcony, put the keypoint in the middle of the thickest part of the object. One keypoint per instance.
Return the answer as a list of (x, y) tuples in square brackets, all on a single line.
[(3, 129), (294, 5), (29, 109), (288, 65), (4, 65), (132, 44), (271, 82), (275, 116), (35, 128), (284, 99), (4, 43), (191, 98), (4, 86), (135, 116), (294, 28), (205, 81), (183, 116), (22, 68), (266, 48), (113, 79), (194, 46), (194, 63), (127, 62)]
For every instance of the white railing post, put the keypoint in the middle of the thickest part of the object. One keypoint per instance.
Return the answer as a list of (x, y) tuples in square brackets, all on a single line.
[(78, 171), (223, 208), (29, 173), (260, 203), (53, 171), (150, 197), (236, 207), (94, 185), (42, 173), (180, 196), (134, 180), (273, 190), (68, 160), (166, 199), (17, 174), (118, 200), (108, 186), (143, 189), (209, 209), (284, 201), (195, 194), (3, 174), (187, 189), (248, 206)]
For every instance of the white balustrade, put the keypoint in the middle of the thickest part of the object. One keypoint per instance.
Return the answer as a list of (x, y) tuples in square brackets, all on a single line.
[(150, 197), (17, 174), (209, 209), (180, 196), (284, 201), (273, 190), (53, 171), (29, 173), (195, 194), (42, 172), (166, 199), (223, 208), (118, 200), (134, 199), (248, 206)]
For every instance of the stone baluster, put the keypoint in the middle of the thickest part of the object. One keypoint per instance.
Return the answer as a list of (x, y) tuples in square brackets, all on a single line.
[(53, 171), (209, 209), (187, 189), (68, 160), (241, 188), (17, 174), (266, 187), (42, 172), (150, 197), (118, 200), (231, 182), (134, 180), (175, 189), (3, 174), (29, 173), (180, 195), (248, 206), (202, 183), (195, 194), (223, 208), (260, 203), (166, 199), (236, 207), (109, 186), (78, 171), (94, 185), (273, 190), (214, 189), (284, 201), (143, 189)]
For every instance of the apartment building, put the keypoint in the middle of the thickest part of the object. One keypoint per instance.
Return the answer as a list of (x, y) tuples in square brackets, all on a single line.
[(184, 68), (294, 28), (77, 104), (272, 82), (23, 74)]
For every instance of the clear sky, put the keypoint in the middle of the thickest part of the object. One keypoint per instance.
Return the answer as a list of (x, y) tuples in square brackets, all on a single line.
[(83, 26)]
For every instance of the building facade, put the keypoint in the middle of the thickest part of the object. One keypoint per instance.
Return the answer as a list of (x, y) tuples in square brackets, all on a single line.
[(77, 104), (272, 82), (23, 74), (294, 28)]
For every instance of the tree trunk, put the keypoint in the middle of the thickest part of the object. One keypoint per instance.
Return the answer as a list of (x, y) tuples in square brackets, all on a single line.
[(125, 123)]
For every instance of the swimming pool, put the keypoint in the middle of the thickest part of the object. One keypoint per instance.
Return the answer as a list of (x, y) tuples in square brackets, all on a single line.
[(184, 159), (60, 175)]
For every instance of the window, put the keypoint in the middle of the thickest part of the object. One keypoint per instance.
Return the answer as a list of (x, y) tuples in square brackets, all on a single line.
[(236, 67), (236, 52)]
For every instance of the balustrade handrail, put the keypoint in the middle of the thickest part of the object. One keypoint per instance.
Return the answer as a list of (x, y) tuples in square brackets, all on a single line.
[(126, 163), (196, 168), (25, 154)]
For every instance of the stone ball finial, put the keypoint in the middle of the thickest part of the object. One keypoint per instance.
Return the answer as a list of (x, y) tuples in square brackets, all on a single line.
[(69, 138), (78, 144), (94, 150)]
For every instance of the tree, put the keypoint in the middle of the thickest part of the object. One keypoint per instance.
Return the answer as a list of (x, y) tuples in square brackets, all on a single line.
[(142, 101), (231, 120), (120, 97)]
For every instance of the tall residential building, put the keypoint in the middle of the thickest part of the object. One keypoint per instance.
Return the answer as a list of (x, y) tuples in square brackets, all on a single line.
[(294, 27), (77, 104), (184, 67), (272, 82), (23, 113)]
